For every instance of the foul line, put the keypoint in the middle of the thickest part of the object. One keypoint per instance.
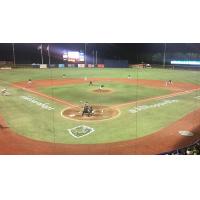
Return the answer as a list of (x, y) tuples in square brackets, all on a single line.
[(156, 98), (46, 96)]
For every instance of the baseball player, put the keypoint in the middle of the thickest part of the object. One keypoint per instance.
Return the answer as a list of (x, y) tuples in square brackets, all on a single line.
[(3, 91), (169, 82), (90, 84), (29, 81), (101, 86)]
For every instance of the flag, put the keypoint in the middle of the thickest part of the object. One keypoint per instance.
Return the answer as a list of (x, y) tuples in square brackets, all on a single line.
[(39, 47), (49, 54)]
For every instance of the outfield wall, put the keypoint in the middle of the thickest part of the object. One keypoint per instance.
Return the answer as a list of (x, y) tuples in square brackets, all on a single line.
[(116, 63)]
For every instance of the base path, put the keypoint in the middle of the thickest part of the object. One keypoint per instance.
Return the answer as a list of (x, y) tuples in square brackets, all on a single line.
[(150, 83)]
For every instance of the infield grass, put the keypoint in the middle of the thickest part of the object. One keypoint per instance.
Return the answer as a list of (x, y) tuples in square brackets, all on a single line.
[(121, 93)]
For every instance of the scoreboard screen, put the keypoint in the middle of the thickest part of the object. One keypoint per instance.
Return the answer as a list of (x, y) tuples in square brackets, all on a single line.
[(65, 56), (185, 62), (74, 56)]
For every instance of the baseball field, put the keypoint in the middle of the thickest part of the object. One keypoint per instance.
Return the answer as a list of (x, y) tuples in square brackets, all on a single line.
[(135, 111)]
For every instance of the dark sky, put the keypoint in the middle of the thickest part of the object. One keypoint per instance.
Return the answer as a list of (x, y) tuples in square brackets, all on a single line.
[(27, 53)]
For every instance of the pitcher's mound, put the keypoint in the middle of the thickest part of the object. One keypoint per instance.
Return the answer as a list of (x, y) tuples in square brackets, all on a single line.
[(102, 91), (100, 113)]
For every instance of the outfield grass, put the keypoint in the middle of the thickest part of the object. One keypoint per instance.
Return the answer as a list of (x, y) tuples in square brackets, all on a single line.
[(152, 74), (34, 122)]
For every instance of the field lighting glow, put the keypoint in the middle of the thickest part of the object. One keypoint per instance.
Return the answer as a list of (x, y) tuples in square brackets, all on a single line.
[(185, 62)]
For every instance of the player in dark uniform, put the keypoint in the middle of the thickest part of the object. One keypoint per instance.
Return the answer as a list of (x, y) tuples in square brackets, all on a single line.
[(87, 109)]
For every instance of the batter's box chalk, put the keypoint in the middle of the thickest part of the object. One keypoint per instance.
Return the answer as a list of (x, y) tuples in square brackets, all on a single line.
[(80, 131)]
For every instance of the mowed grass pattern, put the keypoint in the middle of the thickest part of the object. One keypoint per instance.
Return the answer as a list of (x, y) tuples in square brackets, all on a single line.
[(121, 93)]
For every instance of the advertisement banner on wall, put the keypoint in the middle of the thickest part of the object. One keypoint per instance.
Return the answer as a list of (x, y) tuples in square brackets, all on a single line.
[(81, 65), (43, 66), (71, 65), (90, 65), (100, 65), (61, 65)]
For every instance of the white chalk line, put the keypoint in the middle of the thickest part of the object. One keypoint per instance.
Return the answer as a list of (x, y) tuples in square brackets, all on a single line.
[(77, 137), (156, 98), (68, 104), (47, 96), (115, 106)]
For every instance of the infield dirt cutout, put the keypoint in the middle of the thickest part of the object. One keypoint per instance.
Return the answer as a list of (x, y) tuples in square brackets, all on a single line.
[(100, 113)]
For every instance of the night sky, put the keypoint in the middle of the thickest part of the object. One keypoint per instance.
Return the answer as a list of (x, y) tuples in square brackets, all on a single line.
[(27, 53)]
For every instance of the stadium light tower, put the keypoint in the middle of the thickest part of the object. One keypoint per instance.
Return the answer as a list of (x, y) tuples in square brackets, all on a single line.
[(13, 47), (48, 49), (164, 55), (85, 54), (93, 56), (40, 48), (96, 57), (41, 54)]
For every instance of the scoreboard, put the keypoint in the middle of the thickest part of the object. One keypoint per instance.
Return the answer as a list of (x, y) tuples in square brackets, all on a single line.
[(74, 56)]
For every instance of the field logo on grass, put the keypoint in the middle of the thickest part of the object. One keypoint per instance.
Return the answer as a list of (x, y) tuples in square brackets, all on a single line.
[(34, 101), (198, 97), (81, 131), (145, 107)]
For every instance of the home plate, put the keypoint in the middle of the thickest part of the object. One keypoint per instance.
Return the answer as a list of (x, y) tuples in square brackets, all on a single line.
[(186, 133), (72, 115)]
